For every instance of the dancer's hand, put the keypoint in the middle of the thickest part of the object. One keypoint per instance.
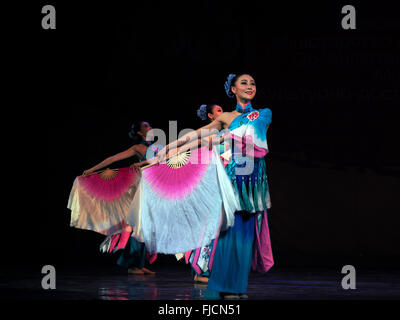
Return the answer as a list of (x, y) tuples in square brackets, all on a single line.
[(210, 143), (135, 166), (172, 152), (207, 142), (161, 155), (87, 172)]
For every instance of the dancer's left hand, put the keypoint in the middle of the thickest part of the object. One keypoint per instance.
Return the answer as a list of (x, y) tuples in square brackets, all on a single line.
[(135, 166), (161, 155), (87, 172)]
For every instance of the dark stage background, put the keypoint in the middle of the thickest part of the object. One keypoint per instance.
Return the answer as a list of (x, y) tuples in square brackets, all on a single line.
[(333, 166)]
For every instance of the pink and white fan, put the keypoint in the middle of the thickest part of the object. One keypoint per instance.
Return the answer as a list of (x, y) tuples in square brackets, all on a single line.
[(182, 204), (101, 201)]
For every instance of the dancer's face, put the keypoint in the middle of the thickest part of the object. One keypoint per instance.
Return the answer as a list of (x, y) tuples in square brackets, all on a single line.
[(244, 88), (144, 129), (216, 111)]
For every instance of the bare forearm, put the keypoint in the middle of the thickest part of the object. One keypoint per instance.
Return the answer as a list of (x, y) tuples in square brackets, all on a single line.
[(195, 144), (187, 138), (213, 140), (191, 145), (192, 139), (142, 163)]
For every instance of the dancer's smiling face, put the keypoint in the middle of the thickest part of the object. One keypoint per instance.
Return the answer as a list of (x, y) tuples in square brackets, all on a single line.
[(244, 88), (216, 111)]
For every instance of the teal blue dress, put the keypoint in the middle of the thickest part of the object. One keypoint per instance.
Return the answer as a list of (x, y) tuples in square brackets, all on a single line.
[(247, 170)]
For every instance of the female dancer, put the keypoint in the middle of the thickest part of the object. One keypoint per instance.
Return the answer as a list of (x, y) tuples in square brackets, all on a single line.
[(134, 253), (234, 250), (201, 259)]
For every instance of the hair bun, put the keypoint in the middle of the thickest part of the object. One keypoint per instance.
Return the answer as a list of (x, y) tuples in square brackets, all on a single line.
[(228, 85), (133, 132), (202, 112)]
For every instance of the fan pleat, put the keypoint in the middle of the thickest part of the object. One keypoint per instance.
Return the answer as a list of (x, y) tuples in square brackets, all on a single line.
[(179, 176), (109, 189)]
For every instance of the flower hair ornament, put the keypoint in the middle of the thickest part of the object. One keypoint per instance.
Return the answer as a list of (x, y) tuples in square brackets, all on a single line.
[(202, 112), (228, 85)]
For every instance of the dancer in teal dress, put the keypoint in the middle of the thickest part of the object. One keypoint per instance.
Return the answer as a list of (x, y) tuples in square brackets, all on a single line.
[(248, 240), (247, 244), (201, 259)]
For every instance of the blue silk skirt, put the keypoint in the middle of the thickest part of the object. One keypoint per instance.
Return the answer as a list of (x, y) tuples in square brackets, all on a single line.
[(233, 256)]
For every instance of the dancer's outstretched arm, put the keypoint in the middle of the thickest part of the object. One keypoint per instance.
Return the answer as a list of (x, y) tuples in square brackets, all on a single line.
[(208, 141), (117, 157), (202, 132)]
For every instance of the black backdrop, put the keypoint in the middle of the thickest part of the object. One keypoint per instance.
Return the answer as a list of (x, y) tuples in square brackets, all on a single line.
[(333, 165)]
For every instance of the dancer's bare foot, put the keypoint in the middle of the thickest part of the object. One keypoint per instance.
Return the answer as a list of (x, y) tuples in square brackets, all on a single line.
[(128, 228), (201, 279), (147, 271), (229, 296), (200, 285), (135, 271)]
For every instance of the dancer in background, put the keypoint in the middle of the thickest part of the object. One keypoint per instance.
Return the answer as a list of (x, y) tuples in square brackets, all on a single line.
[(134, 254), (201, 259), (247, 243)]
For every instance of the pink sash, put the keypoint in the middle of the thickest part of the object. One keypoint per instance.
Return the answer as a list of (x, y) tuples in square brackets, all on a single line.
[(262, 255), (247, 142)]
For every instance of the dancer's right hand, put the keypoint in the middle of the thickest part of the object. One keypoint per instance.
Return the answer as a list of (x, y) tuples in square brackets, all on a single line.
[(135, 166), (87, 172), (162, 154)]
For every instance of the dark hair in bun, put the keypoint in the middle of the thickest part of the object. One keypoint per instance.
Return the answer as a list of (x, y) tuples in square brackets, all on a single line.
[(204, 110), (133, 132)]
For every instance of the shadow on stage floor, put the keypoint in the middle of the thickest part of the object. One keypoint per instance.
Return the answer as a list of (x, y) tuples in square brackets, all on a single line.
[(176, 283)]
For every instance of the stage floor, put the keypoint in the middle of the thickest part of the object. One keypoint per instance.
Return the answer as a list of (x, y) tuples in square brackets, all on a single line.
[(176, 283)]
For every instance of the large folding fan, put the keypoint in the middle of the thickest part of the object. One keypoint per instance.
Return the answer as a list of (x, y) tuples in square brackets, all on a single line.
[(182, 204), (173, 207), (101, 201)]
